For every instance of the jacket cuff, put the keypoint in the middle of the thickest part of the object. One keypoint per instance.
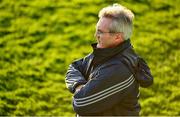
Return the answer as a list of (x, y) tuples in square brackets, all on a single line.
[(76, 84)]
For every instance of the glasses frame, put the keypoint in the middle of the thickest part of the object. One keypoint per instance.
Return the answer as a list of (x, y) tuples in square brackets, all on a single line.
[(99, 32)]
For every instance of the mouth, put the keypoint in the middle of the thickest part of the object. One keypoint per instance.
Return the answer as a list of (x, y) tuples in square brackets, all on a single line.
[(98, 40), (99, 44)]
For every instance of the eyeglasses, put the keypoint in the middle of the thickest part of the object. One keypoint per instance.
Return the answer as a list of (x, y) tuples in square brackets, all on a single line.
[(99, 32)]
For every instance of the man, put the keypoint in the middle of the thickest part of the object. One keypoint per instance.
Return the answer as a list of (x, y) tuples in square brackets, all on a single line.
[(102, 84)]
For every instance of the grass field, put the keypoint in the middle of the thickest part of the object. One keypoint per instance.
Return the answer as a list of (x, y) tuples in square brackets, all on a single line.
[(40, 38)]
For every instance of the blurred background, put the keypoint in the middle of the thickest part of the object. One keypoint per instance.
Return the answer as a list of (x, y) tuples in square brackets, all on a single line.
[(40, 38)]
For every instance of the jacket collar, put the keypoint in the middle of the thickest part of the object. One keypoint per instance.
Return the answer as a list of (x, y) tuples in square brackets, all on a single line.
[(102, 54)]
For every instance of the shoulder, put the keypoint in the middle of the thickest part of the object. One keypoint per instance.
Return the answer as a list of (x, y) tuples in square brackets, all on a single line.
[(83, 60), (88, 57), (114, 68)]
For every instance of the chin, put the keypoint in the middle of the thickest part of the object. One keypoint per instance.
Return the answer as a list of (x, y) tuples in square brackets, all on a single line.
[(99, 46)]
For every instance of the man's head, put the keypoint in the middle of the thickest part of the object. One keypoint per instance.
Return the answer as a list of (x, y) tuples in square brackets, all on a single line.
[(114, 26)]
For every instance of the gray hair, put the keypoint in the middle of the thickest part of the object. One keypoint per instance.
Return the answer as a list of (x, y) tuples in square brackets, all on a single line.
[(122, 19)]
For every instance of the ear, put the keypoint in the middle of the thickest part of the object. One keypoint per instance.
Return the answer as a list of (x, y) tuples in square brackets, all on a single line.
[(119, 38)]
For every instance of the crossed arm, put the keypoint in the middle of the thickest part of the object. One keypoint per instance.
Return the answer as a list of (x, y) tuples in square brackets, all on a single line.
[(108, 86), (74, 77)]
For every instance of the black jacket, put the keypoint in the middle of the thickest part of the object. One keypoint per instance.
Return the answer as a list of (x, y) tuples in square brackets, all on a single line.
[(109, 86)]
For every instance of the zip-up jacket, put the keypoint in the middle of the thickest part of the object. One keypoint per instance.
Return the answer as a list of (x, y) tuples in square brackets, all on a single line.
[(109, 89)]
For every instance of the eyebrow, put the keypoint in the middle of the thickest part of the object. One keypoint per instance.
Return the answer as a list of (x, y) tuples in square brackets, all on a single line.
[(100, 30)]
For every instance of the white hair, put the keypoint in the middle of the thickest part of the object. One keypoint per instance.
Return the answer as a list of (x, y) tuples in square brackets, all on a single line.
[(122, 19)]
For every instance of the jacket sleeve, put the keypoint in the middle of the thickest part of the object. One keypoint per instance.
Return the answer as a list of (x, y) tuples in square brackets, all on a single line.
[(108, 86), (74, 75)]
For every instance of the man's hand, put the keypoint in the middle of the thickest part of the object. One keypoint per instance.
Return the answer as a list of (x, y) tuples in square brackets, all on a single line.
[(78, 88)]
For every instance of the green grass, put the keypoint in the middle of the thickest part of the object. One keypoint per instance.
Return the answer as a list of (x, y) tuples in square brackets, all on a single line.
[(40, 38)]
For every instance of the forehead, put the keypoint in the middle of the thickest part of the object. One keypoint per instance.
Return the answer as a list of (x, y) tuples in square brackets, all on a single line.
[(103, 23)]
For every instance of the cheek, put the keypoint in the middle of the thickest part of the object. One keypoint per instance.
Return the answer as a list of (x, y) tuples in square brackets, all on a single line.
[(104, 41)]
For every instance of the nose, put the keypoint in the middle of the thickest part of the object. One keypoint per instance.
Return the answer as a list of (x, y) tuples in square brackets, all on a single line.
[(96, 35)]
